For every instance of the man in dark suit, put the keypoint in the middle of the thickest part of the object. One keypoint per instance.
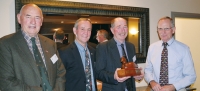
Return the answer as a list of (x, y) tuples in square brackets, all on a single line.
[(80, 72), (58, 37), (108, 59), (19, 68)]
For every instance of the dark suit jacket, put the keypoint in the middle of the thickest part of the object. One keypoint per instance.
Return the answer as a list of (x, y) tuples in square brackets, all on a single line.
[(107, 60), (75, 74), (18, 68), (60, 45)]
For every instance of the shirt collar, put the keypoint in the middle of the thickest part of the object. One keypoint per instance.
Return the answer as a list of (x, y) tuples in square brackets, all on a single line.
[(118, 43), (169, 42), (80, 47), (27, 37)]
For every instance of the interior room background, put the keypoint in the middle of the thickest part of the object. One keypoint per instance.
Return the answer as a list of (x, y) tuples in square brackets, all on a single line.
[(157, 9)]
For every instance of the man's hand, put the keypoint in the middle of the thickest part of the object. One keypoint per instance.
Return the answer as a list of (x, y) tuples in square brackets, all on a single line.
[(155, 86), (168, 88), (120, 79), (140, 77)]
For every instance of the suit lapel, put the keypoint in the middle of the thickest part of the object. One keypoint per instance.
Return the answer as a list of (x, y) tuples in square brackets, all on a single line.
[(25, 51), (92, 55), (128, 52), (77, 56), (115, 52), (47, 55)]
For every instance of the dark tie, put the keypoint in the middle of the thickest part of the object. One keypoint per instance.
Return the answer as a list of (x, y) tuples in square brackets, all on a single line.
[(164, 66), (88, 72), (123, 51), (43, 73), (129, 84)]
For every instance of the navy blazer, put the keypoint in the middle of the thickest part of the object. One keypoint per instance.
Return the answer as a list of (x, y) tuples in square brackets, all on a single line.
[(107, 61), (75, 74)]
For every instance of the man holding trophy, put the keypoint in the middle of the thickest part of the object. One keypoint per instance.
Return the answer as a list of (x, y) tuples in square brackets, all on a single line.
[(115, 54)]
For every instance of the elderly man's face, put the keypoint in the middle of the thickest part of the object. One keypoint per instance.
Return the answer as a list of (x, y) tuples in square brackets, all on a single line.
[(165, 30), (30, 19), (120, 29)]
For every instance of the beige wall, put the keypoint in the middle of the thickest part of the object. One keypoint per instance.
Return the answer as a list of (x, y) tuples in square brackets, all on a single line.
[(187, 31), (7, 17), (157, 8)]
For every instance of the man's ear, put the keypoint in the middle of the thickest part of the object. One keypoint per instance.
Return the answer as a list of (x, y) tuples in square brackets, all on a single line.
[(74, 30), (18, 18), (41, 20), (112, 30), (174, 29)]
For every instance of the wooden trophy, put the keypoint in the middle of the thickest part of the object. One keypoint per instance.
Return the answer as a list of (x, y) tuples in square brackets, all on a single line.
[(128, 69)]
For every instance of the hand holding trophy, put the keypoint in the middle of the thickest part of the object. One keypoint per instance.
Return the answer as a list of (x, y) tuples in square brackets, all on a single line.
[(128, 69)]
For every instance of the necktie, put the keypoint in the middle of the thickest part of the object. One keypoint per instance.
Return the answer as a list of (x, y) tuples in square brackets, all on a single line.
[(164, 66), (43, 73), (129, 84), (88, 72), (123, 51)]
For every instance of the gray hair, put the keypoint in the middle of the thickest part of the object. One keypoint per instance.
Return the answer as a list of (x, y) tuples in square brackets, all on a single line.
[(104, 33), (167, 18), (79, 20)]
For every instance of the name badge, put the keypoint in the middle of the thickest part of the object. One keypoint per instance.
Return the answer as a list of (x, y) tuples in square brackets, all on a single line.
[(134, 59), (54, 58)]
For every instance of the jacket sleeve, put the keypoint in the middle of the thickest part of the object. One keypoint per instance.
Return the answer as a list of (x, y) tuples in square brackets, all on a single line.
[(60, 79)]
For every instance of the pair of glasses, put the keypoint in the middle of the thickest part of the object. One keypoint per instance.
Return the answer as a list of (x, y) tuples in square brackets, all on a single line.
[(166, 29)]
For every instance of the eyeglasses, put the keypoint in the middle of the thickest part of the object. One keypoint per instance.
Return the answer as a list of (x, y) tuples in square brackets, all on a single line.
[(166, 29)]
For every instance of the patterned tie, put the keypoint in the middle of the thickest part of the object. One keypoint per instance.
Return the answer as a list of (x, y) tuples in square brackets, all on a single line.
[(164, 66), (43, 73), (88, 72)]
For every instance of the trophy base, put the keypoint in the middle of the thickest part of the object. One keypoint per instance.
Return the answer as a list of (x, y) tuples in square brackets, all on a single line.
[(128, 72)]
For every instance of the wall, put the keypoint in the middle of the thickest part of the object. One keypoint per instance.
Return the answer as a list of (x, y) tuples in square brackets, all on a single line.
[(187, 31), (158, 9), (7, 17)]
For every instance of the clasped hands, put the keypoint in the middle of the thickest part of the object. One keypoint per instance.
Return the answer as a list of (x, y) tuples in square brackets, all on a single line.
[(122, 79), (156, 87)]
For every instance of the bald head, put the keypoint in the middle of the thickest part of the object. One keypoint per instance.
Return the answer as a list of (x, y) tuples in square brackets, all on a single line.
[(28, 6), (115, 20), (30, 18)]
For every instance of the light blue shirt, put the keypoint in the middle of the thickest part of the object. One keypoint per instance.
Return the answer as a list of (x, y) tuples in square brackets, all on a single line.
[(81, 50), (120, 48), (181, 70)]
